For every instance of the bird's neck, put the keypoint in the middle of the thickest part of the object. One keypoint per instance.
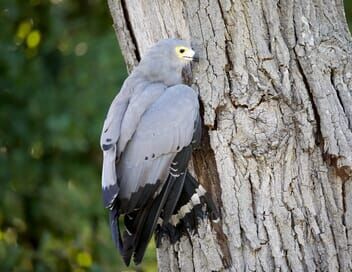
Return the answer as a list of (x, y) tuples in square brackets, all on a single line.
[(168, 75)]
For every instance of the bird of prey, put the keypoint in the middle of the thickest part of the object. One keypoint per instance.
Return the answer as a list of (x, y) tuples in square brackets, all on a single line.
[(147, 139)]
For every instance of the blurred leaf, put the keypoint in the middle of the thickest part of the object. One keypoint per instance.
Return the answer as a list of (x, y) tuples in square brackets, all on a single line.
[(84, 259), (33, 39)]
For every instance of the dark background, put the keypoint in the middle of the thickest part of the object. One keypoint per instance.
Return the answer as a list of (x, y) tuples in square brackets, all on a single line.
[(60, 67)]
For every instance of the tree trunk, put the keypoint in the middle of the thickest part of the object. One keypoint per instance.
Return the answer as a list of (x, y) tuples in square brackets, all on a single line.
[(275, 83)]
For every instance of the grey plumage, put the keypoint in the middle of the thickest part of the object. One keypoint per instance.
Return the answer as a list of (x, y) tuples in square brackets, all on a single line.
[(152, 119)]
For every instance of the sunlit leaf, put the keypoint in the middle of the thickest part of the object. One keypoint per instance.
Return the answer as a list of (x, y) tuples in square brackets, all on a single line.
[(84, 259), (23, 29), (33, 39), (37, 150)]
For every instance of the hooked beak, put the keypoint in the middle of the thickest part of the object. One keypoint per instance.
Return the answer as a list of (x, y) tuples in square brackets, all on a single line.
[(195, 57), (191, 56)]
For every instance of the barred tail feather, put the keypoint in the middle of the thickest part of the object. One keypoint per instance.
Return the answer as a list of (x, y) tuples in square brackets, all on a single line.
[(193, 205)]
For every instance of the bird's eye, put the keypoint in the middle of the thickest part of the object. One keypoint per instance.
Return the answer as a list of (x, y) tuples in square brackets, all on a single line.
[(182, 50)]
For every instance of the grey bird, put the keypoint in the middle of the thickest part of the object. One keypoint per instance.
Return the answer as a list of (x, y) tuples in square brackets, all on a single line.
[(147, 139)]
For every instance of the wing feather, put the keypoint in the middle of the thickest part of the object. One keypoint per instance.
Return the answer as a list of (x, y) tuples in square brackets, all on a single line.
[(164, 129), (145, 95), (108, 139), (120, 124), (112, 124)]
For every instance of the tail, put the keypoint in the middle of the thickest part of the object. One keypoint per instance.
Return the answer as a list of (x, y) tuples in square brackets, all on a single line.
[(194, 203), (140, 226), (115, 228), (173, 213)]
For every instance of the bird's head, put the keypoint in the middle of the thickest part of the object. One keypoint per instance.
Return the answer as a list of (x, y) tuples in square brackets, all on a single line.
[(165, 60), (184, 53)]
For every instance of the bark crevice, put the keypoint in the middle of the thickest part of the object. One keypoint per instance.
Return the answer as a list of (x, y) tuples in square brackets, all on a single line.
[(130, 29)]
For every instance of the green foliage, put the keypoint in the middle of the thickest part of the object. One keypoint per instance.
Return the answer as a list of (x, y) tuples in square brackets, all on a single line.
[(60, 68), (348, 12)]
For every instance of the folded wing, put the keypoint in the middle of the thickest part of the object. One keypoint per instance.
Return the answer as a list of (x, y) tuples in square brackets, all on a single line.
[(143, 169)]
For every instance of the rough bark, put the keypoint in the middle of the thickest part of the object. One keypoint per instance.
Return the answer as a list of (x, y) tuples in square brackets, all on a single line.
[(275, 83)]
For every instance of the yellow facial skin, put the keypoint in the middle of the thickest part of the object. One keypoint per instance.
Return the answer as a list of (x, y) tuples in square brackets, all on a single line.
[(184, 53)]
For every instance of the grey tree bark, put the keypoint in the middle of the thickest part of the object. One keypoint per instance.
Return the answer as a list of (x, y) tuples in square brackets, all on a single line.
[(275, 83)]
